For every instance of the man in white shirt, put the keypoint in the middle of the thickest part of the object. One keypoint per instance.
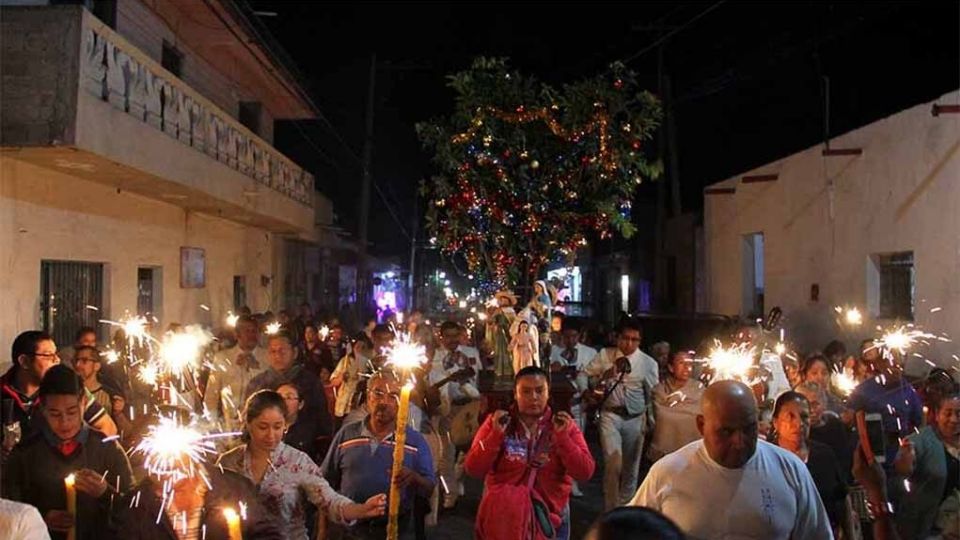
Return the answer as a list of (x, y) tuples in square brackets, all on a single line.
[(457, 398), (569, 356), (626, 378), (21, 521), (729, 484), (233, 369)]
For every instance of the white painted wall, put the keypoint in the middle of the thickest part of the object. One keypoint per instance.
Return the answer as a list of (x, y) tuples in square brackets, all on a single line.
[(45, 214), (824, 216)]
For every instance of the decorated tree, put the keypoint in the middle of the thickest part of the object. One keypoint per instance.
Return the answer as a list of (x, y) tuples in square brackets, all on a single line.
[(529, 173)]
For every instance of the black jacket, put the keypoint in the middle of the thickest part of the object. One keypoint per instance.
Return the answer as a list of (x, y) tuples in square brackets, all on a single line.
[(36, 469), (138, 519)]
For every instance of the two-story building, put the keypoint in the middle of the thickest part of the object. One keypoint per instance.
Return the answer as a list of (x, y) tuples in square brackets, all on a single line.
[(137, 171)]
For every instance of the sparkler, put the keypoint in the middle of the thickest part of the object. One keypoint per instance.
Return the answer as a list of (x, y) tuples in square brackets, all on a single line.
[(273, 328), (844, 382), (901, 338), (232, 319), (732, 363), (149, 374), (173, 452), (404, 356), (324, 332), (851, 316), (182, 351)]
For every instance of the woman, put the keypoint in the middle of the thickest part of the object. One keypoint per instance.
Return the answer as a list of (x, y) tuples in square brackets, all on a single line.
[(933, 475), (285, 477), (677, 404), (828, 429), (300, 434), (316, 355), (791, 431), (816, 369)]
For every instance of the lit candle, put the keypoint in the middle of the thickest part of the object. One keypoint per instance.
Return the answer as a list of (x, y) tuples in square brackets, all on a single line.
[(70, 482), (399, 439), (233, 523)]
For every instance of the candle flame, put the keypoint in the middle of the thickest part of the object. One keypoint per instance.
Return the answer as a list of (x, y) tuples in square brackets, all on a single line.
[(70, 480)]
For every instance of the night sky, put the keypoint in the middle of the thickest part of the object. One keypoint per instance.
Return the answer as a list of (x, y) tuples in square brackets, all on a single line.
[(747, 77)]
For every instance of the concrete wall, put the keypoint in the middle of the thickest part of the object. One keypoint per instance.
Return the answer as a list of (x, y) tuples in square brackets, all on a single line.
[(46, 214), (824, 216)]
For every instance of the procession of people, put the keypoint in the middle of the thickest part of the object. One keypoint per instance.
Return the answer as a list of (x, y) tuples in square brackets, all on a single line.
[(308, 434)]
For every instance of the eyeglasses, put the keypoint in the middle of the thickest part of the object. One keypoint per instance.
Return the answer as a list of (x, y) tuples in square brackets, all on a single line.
[(46, 355), (381, 395)]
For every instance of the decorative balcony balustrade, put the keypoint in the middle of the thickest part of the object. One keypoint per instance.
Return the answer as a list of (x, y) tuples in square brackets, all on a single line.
[(113, 70)]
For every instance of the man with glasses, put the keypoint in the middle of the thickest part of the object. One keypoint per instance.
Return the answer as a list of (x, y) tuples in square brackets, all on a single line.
[(624, 378), (360, 459), (33, 353)]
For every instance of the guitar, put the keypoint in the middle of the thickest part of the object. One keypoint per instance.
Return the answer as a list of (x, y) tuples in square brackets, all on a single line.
[(431, 395)]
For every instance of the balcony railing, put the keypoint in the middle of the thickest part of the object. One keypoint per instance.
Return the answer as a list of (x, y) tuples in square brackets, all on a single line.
[(115, 71)]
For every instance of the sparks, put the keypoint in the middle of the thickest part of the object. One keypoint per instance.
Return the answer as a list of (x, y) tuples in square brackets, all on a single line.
[(780, 349), (148, 374), (901, 338), (732, 363), (406, 354), (232, 319), (273, 328), (111, 356), (844, 382), (182, 351), (172, 451), (324, 332)]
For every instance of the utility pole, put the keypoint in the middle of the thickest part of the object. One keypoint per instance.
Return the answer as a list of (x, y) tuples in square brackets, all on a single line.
[(412, 278), (363, 281)]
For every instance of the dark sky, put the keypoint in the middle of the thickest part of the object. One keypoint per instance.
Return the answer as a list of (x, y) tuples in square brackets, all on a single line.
[(747, 77)]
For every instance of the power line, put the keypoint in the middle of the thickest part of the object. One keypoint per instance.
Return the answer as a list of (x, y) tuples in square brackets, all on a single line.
[(672, 33)]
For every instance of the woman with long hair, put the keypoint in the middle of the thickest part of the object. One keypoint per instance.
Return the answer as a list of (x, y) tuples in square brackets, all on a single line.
[(287, 478)]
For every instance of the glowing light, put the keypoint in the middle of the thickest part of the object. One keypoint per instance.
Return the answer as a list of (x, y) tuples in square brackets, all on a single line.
[(399, 317), (324, 332), (174, 452), (111, 356), (853, 317), (406, 354), (462, 304), (273, 328), (482, 316), (780, 349), (183, 350), (731, 363), (901, 338), (232, 319), (844, 382), (148, 374)]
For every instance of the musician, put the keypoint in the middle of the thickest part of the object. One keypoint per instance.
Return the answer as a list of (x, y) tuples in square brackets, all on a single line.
[(624, 378), (569, 356), (457, 396)]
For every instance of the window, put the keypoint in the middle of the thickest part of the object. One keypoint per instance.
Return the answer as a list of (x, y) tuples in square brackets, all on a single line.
[(239, 292), (891, 282), (250, 115), (71, 297), (171, 58), (149, 291), (752, 275)]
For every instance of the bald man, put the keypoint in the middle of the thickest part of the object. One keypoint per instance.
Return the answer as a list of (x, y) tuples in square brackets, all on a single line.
[(729, 484)]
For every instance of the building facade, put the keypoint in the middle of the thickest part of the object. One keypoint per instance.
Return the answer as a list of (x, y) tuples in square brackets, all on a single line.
[(137, 171), (870, 222)]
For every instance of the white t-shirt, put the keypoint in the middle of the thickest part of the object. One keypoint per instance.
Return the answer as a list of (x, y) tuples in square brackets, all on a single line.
[(21, 521), (772, 497)]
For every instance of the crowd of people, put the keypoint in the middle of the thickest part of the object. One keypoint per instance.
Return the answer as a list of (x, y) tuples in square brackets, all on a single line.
[(307, 418)]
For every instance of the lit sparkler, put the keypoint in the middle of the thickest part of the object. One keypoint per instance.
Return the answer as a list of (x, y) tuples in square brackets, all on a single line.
[(732, 363), (173, 452), (851, 316), (111, 356), (844, 382), (273, 328), (901, 338), (324, 332), (148, 374), (182, 351), (232, 319)]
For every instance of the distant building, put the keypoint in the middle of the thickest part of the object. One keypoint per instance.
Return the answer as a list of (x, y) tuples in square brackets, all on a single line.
[(871, 223), (137, 171)]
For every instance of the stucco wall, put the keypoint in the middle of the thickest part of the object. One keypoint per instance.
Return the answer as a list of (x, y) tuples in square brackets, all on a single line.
[(824, 217), (45, 214)]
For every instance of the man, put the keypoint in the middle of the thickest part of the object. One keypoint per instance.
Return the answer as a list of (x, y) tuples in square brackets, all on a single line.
[(660, 352), (86, 336), (338, 345), (729, 484), (360, 459), (892, 397), (456, 395), (529, 445), (86, 362), (281, 357), (677, 403), (34, 353), (570, 356), (234, 369), (626, 377), (22, 521), (37, 467)]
